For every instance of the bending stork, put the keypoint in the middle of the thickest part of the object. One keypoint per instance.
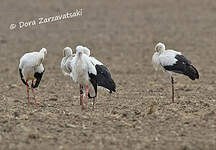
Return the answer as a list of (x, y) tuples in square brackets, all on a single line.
[(31, 68), (173, 62)]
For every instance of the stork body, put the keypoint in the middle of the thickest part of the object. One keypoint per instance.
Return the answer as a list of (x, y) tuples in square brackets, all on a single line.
[(173, 62), (31, 69)]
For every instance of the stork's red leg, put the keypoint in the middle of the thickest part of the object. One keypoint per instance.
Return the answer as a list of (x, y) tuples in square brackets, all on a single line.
[(87, 96), (172, 81), (34, 95), (27, 86)]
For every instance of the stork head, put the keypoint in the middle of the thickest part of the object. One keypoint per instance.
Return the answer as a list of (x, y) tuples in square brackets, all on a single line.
[(79, 50), (67, 51), (43, 51), (86, 51), (160, 47)]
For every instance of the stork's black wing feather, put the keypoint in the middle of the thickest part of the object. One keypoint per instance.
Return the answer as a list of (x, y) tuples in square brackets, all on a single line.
[(183, 66), (21, 76), (38, 77), (182, 58), (104, 78)]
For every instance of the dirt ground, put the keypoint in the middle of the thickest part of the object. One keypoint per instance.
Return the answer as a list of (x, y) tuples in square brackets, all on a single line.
[(121, 34)]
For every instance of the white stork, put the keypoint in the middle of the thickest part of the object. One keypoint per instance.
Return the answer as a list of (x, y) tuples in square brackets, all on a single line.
[(173, 62), (31, 68), (90, 73), (66, 61)]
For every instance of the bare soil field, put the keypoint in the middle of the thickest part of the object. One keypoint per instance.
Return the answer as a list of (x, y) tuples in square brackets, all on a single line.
[(121, 34)]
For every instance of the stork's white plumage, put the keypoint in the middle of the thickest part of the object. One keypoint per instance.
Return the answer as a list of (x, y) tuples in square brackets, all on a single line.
[(89, 73), (31, 68), (173, 62), (66, 61)]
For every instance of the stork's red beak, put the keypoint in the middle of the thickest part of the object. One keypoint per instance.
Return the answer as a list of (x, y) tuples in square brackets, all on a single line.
[(80, 53)]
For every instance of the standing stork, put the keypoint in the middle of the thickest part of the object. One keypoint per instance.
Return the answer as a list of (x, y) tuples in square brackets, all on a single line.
[(173, 62), (90, 73), (31, 68)]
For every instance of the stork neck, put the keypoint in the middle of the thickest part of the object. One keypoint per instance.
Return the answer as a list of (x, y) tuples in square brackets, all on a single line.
[(41, 56), (161, 51), (64, 60)]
